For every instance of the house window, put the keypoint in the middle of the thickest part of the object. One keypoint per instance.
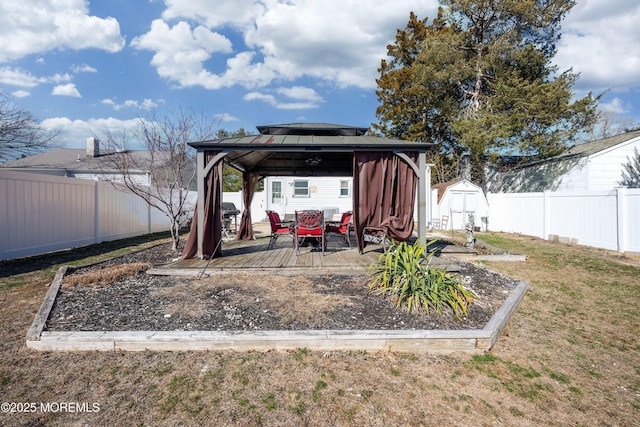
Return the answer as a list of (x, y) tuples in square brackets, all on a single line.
[(301, 188), (345, 191)]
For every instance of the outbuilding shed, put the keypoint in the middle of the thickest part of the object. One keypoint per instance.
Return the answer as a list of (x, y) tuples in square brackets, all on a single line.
[(454, 201)]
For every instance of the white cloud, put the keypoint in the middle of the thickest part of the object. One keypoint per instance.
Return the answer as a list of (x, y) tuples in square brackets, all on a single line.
[(287, 40), (180, 52), (225, 117), (257, 96), (66, 90), (145, 104), (22, 78), (73, 133), (237, 13), (308, 96), (616, 106), (300, 92), (20, 94), (58, 78), (26, 28), (601, 40), (83, 68), (302, 39), (18, 77)]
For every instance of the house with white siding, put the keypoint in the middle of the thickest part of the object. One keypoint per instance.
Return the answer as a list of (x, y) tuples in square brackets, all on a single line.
[(288, 194), (90, 163), (591, 166)]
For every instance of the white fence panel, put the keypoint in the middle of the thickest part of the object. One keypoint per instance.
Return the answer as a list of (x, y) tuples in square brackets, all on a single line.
[(120, 215), (517, 213), (590, 218), (43, 213), (608, 220), (631, 221), (258, 212), (123, 214)]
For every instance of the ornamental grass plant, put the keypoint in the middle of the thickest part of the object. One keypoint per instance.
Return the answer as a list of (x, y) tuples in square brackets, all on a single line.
[(404, 274)]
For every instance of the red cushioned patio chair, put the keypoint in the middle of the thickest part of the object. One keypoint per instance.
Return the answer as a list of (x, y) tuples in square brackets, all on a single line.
[(278, 228), (341, 228), (309, 224)]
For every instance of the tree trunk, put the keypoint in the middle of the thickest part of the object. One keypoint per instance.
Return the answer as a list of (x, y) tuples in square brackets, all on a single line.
[(175, 234)]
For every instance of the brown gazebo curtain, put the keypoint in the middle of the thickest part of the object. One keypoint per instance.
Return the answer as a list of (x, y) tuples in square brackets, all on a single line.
[(249, 184), (212, 215), (384, 191)]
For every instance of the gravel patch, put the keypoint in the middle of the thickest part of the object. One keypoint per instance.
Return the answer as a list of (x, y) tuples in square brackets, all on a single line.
[(244, 301)]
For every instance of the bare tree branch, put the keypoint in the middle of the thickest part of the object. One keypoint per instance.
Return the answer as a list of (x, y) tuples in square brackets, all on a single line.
[(20, 134), (164, 172)]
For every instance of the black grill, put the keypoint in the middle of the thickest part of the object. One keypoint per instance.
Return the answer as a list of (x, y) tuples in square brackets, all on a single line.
[(230, 211)]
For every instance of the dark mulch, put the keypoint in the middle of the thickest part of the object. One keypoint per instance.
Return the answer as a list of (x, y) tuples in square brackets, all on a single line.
[(234, 302)]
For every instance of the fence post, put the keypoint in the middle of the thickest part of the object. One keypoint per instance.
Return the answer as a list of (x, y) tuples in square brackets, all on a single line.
[(96, 194), (546, 212), (621, 193)]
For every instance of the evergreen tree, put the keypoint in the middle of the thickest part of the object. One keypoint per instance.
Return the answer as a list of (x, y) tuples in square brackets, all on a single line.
[(486, 83), (631, 171), (402, 113), (232, 178)]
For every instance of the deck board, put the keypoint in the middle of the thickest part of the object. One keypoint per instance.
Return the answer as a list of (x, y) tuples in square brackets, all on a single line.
[(253, 254)]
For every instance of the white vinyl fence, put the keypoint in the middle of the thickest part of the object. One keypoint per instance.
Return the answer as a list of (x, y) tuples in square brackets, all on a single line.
[(609, 220), (42, 213), (257, 204)]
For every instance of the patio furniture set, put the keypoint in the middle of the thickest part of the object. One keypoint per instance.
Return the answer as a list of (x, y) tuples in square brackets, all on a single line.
[(309, 226)]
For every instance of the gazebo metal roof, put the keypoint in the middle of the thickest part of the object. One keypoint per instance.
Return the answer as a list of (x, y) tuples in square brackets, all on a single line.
[(303, 149)]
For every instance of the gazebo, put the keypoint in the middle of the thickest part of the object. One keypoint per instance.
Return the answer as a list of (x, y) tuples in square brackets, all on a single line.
[(388, 175)]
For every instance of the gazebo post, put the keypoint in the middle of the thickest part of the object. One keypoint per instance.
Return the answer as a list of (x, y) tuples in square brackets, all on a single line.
[(423, 173), (423, 184), (200, 203)]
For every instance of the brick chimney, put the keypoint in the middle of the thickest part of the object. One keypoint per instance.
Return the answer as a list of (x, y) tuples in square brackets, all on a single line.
[(93, 147)]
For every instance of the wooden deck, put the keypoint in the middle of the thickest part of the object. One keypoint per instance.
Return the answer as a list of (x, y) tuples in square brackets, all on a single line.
[(255, 255)]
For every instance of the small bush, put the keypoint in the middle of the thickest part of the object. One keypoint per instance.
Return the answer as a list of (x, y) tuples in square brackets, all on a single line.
[(105, 276), (403, 273)]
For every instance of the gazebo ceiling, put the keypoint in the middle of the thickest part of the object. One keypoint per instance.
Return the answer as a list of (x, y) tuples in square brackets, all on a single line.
[(303, 149)]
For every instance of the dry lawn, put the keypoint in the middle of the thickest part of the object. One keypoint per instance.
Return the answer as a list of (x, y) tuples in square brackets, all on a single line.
[(569, 357)]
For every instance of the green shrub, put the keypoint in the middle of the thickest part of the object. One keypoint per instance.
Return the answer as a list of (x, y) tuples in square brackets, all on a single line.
[(403, 272)]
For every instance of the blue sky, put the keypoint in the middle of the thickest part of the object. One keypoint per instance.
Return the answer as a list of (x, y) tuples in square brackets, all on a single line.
[(81, 67)]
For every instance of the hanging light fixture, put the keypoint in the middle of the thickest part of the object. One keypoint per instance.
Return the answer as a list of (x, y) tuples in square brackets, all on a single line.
[(313, 161)]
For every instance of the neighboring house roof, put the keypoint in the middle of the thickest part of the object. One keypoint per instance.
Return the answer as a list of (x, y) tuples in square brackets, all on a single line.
[(595, 147), (588, 148), (76, 161), (546, 174)]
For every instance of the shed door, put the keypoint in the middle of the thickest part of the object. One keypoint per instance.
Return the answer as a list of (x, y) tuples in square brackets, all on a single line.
[(462, 203)]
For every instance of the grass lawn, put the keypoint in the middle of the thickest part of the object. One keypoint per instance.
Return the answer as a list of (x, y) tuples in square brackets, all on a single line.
[(570, 356)]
